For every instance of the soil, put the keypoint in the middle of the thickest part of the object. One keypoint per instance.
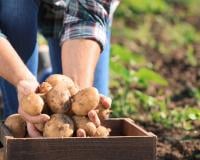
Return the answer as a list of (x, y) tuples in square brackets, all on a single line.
[(175, 144)]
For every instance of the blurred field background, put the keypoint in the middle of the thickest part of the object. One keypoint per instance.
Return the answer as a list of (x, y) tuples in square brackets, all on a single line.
[(155, 72)]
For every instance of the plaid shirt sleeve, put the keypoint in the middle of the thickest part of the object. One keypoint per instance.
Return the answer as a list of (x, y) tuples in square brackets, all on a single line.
[(86, 19)]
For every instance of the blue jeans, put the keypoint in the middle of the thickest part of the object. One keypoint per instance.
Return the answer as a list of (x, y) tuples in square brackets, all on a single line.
[(18, 21)]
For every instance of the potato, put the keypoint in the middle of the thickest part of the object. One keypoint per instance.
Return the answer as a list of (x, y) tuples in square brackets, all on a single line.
[(103, 113), (73, 90), (102, 131), (84, 101), (39, 126), (44, 87), (58, 78), (58, 98), (82, 122), (59, 125), (16, 125), (32, 104)]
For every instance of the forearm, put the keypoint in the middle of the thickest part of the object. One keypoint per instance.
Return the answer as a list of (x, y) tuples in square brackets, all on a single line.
[(79, 59), (11, 66)]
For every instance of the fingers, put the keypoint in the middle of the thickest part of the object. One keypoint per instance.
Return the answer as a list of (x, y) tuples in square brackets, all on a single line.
[(25, 87), (81, 133), (92, 115), (32, 131), (42, 118), (105, 101)]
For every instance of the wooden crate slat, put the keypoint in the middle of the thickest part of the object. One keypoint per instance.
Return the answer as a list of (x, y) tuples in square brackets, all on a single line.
[(116, 126), (127, 142), (81, 149), (131, 129), (4, 133)]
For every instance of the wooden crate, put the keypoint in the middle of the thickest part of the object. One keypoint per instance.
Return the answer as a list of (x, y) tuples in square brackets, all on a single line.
[(127, 142)]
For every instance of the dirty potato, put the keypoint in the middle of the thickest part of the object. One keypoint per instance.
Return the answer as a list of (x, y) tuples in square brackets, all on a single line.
[(16, 125), (44, 87), (82, 122), (59, 125), (58, 98), (102, 131), (58, 78), (84, 101), (32, 104)]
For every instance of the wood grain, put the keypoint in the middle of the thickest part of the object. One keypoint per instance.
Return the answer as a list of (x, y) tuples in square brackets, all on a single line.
[(81, 149), (136, 144)]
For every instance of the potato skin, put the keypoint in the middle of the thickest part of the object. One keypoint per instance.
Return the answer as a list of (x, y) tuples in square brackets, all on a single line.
[(39, 126), (85, 100), (103, 113), (44, 87), (59, 125), (102, 132), (73, 90), (16, 125), (82, 122), (59, 78), (32, 104), (58, 98)]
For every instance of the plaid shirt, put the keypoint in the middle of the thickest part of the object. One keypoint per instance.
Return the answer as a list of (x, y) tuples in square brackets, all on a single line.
[(81, 19), (75, 19)]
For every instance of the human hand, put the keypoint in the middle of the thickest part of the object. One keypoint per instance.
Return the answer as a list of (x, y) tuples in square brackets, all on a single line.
[(25, 87), (105, 102)]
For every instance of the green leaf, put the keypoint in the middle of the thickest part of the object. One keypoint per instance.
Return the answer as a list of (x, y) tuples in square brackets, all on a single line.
[(120, 71), (126, 56), (155, 6), (123, 53), (149, 76)]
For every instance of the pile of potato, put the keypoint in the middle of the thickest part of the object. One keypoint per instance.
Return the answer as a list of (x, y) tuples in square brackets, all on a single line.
[(67, 106)]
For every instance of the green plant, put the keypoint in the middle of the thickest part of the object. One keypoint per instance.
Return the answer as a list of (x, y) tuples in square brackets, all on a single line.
[(144, 6), (179, 117)]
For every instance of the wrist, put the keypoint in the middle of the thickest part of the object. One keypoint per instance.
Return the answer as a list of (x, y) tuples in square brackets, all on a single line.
[(27, 85), (79, 59), (28, 78)]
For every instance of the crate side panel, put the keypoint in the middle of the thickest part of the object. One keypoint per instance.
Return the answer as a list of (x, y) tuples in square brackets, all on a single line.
[(115, 125), (129, 128), (129, 148)]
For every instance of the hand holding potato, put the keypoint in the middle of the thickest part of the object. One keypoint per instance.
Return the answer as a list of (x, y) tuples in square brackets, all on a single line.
[(60, 98), (25, 88)]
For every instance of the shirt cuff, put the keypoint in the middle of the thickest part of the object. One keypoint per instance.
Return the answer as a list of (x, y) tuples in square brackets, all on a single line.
[(85, 30)]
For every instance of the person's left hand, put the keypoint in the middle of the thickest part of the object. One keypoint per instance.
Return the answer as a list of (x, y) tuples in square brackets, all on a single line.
[(25, 87)]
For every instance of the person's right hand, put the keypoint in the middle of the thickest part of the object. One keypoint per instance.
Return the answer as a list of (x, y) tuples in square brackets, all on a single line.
[(93, 116), (25, 87)]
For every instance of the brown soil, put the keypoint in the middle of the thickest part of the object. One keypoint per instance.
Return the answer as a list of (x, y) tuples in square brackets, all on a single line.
[(175, 144)]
